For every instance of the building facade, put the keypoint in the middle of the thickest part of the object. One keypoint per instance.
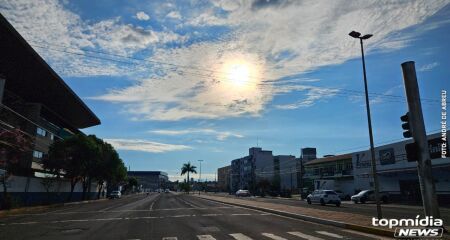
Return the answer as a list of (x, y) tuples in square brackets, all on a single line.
[(223, 178), (331, 172), (286, 172), (150, 180), (398, 175)]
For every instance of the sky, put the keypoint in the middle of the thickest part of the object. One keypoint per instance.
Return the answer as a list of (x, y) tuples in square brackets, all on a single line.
[(189, 80)]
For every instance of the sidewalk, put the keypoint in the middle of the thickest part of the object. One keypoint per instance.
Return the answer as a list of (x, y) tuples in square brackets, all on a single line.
[(340, 219)]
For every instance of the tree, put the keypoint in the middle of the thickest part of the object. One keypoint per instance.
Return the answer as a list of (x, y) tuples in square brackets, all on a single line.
[(188, 168), (73, 157), (15, 157)]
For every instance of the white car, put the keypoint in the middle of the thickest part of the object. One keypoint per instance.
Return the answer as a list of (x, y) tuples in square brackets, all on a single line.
[(324, 197), (115, 194), (242, 193)]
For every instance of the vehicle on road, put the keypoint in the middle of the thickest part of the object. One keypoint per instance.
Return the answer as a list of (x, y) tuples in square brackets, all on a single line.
[(324, 197), (368, 195), (115, 194), (167, 191), (342, 195), (242, 193)]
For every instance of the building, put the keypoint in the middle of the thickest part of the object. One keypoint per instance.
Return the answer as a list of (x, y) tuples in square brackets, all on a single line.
[(36, 102), (286, 173), (223, 178), (306, 154), (398, 175), (330, 172), (150, 180), (242, 174)]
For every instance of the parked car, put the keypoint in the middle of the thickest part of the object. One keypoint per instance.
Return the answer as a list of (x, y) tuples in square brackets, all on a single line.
[(167, 191), (115, 194), (242, 193), (368, 195), (342, 195), (324, 197)]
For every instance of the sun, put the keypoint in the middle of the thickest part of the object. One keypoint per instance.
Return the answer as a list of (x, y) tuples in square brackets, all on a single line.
[(238, 73)]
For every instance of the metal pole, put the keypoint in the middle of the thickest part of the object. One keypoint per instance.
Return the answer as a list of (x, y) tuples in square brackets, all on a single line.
[(424, 166), (372, 148), (2, 87), (200, 176)]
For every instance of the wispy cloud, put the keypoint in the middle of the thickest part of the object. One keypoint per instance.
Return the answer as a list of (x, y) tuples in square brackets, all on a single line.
[(428, 67), (314, 94), (220, 135), (144, 145)]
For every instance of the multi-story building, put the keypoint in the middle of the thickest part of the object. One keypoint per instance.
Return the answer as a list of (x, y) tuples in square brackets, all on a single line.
[(286, 172), (242, 174), (330, 172), (36, 101), (150, 180), (223, 178), (37, 104), (306, 154)]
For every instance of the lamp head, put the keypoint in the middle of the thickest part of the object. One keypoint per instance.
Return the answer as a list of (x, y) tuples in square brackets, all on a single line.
[(367, 36), (354, 34)]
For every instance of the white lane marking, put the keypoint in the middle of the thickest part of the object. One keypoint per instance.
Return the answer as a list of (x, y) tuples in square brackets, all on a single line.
[(205, 237), (366, 234), (183, 215), (305, 236), (169, 238), (239, 236), (265, 214), (211, 214), (330, 234), (273, 236), (241, 214)]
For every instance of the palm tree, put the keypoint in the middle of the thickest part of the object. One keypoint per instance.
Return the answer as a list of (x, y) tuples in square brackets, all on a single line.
[(188, 168)]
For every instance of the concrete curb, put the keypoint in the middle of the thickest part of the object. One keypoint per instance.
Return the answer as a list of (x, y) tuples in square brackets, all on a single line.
[(23, 210), (371, 230)]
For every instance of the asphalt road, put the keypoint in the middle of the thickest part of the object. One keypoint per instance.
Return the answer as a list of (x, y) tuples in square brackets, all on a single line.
[(163, 216), (369, 209)]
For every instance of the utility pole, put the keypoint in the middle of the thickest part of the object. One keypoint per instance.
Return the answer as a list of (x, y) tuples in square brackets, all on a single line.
[(417, 126)]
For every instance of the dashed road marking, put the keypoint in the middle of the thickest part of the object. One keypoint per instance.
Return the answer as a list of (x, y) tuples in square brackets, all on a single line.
[(273, 236), (239, 236), (305, 236), (205, 237), (241, 214), (330, 234), (169, 238)]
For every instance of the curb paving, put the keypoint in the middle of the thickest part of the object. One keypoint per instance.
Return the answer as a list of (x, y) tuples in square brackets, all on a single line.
[(371, 230), (22, 210)]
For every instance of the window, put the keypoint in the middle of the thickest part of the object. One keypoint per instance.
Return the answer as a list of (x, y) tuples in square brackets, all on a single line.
[(37, 154), (41, 132)]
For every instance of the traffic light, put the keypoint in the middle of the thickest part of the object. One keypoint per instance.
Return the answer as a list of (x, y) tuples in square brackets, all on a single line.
[(412, 152), (406, 126)]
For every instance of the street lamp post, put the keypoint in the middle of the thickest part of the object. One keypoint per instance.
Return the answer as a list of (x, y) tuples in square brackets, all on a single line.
[(372, 149), (200, 176)]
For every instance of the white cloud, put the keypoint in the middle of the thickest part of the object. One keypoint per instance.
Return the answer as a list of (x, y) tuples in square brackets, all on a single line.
[(144, 145), (142, 16), (174, 15), (314, 94), (220, 135), (428, 67)]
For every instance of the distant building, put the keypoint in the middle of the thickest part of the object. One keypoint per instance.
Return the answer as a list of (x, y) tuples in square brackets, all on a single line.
[(306, 154), (286, 172), (332, 172), (223, 178), (242, 174), (151, 180)]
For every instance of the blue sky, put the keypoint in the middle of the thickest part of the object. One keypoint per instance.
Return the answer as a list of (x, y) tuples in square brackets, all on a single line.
[(178, 81)]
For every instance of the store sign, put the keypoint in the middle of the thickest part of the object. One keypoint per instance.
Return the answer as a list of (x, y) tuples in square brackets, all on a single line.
[(387, 156)]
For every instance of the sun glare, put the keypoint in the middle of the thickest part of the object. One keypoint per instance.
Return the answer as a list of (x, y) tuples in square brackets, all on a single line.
[(238, 74)]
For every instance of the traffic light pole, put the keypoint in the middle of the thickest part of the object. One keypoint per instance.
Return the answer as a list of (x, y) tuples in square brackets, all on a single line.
[(417, 126)]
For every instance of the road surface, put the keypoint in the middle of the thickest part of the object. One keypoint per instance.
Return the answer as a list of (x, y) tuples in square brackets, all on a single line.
[(166, 216)]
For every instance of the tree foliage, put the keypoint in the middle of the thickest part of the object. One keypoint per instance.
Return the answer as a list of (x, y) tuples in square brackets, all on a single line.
[(186, 169)]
